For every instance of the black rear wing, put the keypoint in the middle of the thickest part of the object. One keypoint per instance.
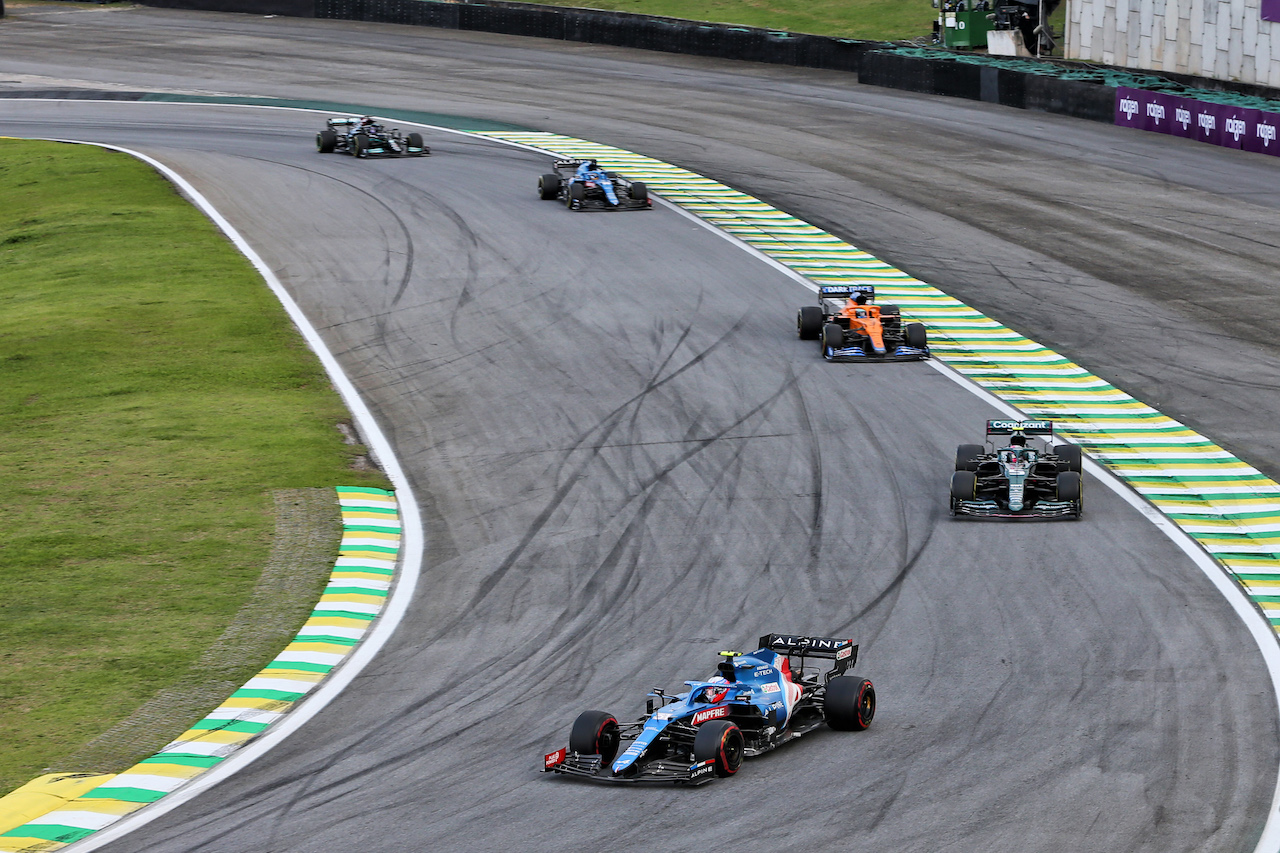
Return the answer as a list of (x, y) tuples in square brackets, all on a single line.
[(568, 164), (845, 291), (843, 652), (1007, 427)]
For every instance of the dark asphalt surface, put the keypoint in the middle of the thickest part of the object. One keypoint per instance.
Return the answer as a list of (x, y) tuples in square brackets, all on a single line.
[(627, 461)]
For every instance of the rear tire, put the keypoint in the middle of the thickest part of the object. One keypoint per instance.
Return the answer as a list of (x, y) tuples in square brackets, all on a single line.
[(548, 187), (595, 733), (964, 486), (1069, 457), (722, 741), (639, 191), (832, 336), (917, 336), (326, 140), (850, 703), (966, 454), (809, 322)]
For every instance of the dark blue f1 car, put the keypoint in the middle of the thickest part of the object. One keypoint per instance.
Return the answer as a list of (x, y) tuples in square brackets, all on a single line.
[(364, 137), (583, 185), (1017, 481), (754, 703)]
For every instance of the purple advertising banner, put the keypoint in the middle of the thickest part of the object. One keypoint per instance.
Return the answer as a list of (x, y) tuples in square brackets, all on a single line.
[(1266, 132), (1271, 10), (1218, 124)]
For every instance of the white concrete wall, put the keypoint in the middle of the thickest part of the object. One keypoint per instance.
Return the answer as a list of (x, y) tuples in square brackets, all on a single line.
[(1224, 39)]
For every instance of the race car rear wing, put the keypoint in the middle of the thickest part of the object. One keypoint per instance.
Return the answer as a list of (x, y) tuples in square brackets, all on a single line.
[(1006, 427), (845, 291), (342, 122), (843, 652), (568, 164)]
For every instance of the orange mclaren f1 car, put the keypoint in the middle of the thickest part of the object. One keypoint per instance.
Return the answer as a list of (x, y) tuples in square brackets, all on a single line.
[(851, 327)]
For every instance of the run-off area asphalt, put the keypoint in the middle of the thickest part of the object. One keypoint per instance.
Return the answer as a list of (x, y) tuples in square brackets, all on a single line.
[(627, 461)]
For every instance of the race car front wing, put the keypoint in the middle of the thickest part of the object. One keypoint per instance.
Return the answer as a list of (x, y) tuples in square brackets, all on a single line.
[(659, 770), (900, 353), (1040, 509)]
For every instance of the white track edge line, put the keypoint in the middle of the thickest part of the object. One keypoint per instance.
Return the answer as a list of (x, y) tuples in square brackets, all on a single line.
[(412, 544), (1263, 633)]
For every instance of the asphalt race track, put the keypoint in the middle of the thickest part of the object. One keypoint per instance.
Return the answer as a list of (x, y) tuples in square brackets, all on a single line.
[(627, 461)]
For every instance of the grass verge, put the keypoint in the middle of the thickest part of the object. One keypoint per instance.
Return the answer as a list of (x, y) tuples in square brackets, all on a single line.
[(153, 395), (877, 20)]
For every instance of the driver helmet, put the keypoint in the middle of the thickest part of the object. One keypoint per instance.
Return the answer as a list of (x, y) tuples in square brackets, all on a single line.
[(712, 694), (861, 298), (592, 165), (366, 121)]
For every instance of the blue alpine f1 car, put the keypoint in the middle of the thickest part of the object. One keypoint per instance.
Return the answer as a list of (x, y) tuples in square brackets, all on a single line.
[(583, 185), (1017, 481), (754, 703)]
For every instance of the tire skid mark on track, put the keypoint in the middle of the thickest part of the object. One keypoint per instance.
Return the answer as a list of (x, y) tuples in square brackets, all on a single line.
[(1230, 508)]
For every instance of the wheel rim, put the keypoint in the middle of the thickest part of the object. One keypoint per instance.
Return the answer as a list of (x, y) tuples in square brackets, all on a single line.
[(731, 751)]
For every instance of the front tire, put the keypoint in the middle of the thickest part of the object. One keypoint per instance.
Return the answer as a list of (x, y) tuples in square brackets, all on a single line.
[(832, 336), (809, 322), (577, 193), (1071, 488), (849, 704), (964, 486), (595, 733), (917, 336), (639, 191), (722, 741), (359, 144)]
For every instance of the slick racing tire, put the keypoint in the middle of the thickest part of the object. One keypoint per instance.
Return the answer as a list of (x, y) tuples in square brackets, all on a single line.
[(1071, 488), (414, 140), (964, 486), (890, 311), (809, 322), (548, 187), (1069, 457), (832, 336), (917, 336), (595, 733), (359, 144), (722, 741), (849, 704), (577, 192), (639, 191), (967, 456), (326, 140)]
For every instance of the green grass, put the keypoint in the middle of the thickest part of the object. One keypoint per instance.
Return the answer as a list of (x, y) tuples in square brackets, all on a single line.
[(872, 20), (879, 20), (152, 396)]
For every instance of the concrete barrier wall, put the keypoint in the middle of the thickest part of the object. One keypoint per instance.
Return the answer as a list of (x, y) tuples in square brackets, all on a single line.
[(623, 29), (1221, 39), (876, 63)]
